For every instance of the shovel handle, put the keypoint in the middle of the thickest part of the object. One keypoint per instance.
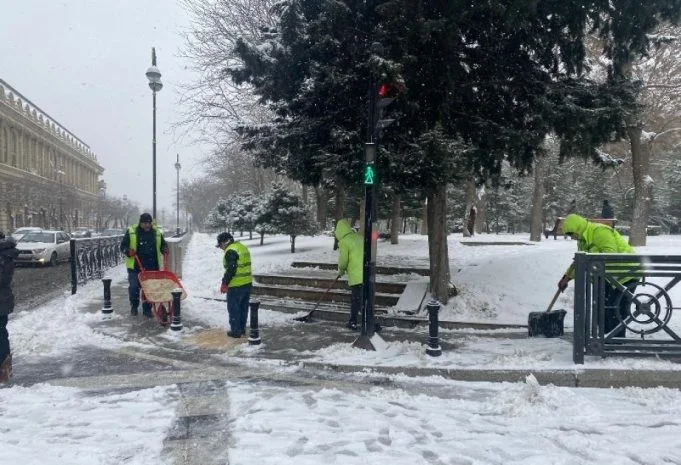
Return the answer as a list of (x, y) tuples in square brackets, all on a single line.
[(553, 301)]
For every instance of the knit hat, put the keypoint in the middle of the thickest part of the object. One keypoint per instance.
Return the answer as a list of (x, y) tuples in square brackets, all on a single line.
[(145, 218), (224, 237)]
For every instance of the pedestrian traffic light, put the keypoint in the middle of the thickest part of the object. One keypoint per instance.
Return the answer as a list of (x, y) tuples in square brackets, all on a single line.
[(387, 93), (369, 174)]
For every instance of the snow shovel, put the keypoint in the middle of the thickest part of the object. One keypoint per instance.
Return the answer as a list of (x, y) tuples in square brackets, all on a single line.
[(548, 323), (308, 317)]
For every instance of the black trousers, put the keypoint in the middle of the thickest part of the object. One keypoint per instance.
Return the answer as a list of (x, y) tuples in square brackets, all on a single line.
[(355, 302), (4, 338), (134, 291), (612, 308)]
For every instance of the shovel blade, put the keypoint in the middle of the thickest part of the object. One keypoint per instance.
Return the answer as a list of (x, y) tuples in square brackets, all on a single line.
[(547, 324)]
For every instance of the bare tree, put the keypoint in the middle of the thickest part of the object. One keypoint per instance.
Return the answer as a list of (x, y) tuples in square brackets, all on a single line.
[(214, 104), (658, 121)]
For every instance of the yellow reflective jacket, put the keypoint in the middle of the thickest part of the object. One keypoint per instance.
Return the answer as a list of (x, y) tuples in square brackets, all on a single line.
[(242, 275), (350, 253), (597, 238)]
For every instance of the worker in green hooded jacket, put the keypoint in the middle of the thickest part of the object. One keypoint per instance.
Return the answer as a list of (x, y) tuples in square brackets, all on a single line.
[(350, 261), (600, 238)]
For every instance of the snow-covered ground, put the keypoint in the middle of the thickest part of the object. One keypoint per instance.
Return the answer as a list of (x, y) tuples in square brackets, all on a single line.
[(415, 421)]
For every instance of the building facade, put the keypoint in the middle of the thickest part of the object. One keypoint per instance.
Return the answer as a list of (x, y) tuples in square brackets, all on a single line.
[(48, 177)]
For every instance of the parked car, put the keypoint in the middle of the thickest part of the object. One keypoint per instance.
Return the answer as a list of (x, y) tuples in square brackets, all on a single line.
[(112, 232), (20, 232), (44, 247), (80, 233)]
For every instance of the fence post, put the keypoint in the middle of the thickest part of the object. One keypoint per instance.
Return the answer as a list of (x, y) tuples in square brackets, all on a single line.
[(433, 349), (74, 272), (580, 329), (254, 338), (176, 324), (107, 309)]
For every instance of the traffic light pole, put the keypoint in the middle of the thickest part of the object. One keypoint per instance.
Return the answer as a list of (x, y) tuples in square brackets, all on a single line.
[(369, 270)]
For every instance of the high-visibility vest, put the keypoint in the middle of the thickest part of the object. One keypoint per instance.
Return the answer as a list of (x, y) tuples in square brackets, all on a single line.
[(243, 265), (132, 232)]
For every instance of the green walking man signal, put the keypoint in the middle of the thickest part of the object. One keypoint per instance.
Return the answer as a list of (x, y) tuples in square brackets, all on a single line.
[(369, 174)]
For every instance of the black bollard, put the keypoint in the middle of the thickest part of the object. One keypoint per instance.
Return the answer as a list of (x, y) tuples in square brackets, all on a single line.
[(176, 323), (254, 338), (433, 349), (107, 309)]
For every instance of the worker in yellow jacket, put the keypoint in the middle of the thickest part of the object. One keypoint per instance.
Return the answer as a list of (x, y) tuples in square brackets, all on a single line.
[(600, 238), (351, 261)]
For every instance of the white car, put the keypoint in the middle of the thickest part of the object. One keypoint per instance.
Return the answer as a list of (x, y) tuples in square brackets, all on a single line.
[(20, 232), (44, 247)]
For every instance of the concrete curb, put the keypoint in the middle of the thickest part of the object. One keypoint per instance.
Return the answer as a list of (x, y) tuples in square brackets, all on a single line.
[(595, 378)]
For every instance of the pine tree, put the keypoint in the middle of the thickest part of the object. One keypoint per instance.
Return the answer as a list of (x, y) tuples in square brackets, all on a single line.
[(289, 215)]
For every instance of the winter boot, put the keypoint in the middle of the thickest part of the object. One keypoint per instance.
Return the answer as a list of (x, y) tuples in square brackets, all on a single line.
[(6, 369), (352, 325), (146, 311), (134, 310)]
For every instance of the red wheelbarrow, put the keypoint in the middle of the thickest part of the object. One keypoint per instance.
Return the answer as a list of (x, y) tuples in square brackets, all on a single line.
[(156, 290)]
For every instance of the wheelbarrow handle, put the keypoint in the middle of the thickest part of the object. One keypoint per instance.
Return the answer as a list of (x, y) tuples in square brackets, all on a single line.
[(139, 262)]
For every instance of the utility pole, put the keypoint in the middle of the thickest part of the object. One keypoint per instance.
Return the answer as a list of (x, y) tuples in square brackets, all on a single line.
[(177, 167)]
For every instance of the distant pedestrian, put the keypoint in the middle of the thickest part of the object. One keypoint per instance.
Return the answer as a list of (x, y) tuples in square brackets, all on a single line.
[(350, 261), (237, 282), (8, 252), (146, 242), (600, 238), (607, 211)]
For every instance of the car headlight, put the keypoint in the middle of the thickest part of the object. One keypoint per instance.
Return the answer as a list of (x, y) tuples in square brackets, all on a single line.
[(38, 251)]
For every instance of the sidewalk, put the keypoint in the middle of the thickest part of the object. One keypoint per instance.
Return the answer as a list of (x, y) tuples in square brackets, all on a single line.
[(154, 354)]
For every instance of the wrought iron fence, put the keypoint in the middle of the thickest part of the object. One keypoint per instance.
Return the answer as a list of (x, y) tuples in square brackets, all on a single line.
[(91, 256), (624, 305)]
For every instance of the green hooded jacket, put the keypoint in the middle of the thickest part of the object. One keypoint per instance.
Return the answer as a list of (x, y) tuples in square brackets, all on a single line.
[(595, 238), (350, 253)]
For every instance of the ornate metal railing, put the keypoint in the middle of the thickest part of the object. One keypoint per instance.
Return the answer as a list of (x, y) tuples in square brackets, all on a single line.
[(91, 256), (644, 322)]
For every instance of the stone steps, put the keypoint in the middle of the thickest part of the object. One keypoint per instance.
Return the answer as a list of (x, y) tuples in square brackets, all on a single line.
[(321, 282), (298, 290), (315, 294), (386, 270), (339, 313)]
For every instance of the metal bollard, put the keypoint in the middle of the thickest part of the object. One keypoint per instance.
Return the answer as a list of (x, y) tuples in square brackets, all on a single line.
[(433, 349), (107, 309), (254, 338), (176, 323)]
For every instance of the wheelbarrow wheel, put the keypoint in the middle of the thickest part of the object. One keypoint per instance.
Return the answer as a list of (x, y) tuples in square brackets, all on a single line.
[(164, 315)]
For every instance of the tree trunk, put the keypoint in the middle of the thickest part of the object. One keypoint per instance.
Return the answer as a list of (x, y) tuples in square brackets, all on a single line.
[(468, 231), (643, 187), (293, 244), (424, 216), (304, 195), (537, 225), (481, 210), (322, 206), (437, 244), (262, 238), (395, 220), (339, 212), (339, 194)]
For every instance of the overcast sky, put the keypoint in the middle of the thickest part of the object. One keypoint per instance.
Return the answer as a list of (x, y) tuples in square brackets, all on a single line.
[(84, 62)]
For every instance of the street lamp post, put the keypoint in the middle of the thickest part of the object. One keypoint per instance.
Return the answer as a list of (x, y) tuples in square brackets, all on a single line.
[(177, 167), (154, 76), (60, 172)]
